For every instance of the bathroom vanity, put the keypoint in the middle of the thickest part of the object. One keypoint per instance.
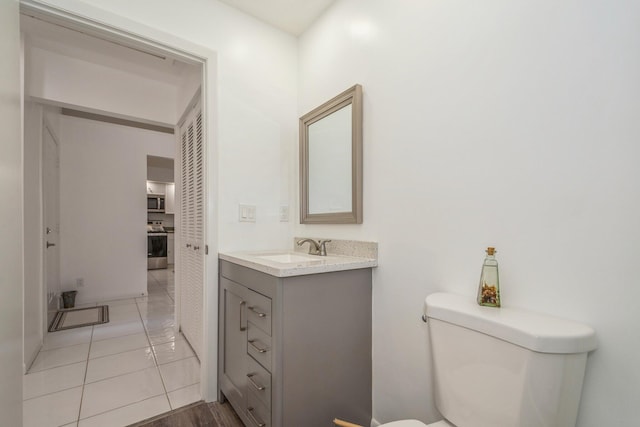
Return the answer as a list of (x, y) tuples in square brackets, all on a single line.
[(295, 338)]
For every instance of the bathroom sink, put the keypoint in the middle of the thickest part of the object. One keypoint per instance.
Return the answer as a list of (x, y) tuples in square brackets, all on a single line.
[(289, 258)]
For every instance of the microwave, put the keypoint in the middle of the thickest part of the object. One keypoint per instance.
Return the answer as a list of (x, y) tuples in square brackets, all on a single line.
[(155, 203)]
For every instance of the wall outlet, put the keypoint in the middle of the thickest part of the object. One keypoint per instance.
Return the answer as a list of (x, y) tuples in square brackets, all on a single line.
[(80, 282), (246, 213), (284, 213)]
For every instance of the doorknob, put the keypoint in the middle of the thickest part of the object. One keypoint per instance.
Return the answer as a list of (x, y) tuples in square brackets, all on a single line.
[(49, 231), (50, 244)]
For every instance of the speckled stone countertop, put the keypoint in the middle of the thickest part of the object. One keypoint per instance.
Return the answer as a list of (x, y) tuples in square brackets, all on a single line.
[(312, 264)]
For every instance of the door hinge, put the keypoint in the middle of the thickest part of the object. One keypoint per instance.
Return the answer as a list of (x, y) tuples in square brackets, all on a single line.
[(206, 249)]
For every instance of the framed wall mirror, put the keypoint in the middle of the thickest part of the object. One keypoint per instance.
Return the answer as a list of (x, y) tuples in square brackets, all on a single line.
[(331, 161)]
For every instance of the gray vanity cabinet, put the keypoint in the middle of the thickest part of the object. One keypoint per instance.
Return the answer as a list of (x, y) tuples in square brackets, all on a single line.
[(295, 351), (233, 366)]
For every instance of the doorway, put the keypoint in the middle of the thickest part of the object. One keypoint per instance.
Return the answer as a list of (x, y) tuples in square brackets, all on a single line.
[(124, 36)]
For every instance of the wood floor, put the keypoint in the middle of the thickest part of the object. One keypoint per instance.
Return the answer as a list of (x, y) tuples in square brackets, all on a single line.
[(225, 415), (199, 414)]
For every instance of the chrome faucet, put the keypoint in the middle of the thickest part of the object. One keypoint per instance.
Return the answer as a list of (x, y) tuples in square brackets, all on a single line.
[(315, 248)]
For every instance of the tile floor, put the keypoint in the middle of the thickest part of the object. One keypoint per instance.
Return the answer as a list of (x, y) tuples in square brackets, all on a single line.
[(124, 371)]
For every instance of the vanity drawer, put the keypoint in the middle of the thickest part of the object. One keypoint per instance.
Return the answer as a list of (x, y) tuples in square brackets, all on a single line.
[(259, 381), (259, 415), (259, 311), (259, 346)]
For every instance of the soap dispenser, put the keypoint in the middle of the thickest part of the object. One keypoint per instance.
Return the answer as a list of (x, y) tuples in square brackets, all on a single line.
[(489, 287)]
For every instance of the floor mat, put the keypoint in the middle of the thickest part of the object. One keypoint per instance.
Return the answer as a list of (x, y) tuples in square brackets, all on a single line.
[(78, 317)]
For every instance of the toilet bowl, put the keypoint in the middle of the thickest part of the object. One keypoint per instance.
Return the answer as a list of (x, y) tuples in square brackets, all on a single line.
[(503, 366)]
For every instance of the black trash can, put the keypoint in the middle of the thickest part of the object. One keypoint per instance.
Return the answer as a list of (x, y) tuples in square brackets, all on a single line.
[(69, 299)]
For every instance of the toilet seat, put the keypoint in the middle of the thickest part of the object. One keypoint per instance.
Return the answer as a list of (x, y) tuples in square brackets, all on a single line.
[(416, 423)]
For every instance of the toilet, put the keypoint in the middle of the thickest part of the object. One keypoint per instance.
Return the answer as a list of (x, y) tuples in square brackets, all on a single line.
[(503, 367)]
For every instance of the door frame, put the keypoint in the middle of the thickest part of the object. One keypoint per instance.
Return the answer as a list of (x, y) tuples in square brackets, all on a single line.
[(120, 29), (46, 295)]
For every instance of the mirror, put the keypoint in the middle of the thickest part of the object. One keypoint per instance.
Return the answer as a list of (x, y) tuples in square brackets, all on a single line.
[(331, 161)]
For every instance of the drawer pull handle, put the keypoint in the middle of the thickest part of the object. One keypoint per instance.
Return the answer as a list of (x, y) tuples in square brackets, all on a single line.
[(242, 327), (260, 314), (253, 383), (258, 349), (254, 419)]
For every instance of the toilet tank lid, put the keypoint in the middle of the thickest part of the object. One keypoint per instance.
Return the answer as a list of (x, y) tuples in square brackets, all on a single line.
[(537, 332)]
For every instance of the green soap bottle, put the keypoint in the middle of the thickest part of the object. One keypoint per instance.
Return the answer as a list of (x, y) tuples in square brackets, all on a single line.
[(489, 287)]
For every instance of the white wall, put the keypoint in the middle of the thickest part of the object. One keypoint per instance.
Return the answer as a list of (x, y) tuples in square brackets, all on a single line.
[(66, 80), (11, 277), (256, 126), (190, 84), (510, 124), (103, 216)]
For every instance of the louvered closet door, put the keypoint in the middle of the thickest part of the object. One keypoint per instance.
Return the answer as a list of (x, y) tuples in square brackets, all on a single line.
[(192, 225)]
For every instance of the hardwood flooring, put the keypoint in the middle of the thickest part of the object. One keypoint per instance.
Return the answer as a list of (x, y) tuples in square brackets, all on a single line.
[(199, 414), (225, 415)]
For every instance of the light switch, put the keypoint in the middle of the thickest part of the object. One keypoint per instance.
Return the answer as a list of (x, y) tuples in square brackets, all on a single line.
[(247, 213)]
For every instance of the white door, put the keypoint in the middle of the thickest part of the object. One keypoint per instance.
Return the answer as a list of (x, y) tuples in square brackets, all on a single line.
[(11, 276), (51, 219), (191, 247)]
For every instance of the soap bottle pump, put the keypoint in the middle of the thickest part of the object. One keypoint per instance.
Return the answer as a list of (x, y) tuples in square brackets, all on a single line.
[(489, 287)]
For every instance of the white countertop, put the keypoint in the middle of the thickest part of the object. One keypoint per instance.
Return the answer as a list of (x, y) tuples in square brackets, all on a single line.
[(315, 263)]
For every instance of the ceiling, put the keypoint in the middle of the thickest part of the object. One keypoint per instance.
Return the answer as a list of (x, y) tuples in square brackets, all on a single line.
[(292, 16)]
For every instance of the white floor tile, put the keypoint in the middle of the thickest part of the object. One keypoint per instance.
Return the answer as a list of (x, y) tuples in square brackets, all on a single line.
[(129, 414), (160, 273), (123, 313), (52, 380), (184, 396), (53, 409), (172, 351), (112, 393), (158, 323), (180, 374), (162, 335), (165, 311), (116, 302), (118, 364), (118, 345), (161, 297), (59, 357), (67, 337), (155, 289), (112, 330), (123, 385), (156, 303)]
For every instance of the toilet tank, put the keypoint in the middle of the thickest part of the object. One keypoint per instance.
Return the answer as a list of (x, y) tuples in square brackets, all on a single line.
[(505, 367)]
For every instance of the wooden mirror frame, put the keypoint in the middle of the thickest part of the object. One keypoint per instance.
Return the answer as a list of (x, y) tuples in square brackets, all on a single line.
[(351, 96)]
